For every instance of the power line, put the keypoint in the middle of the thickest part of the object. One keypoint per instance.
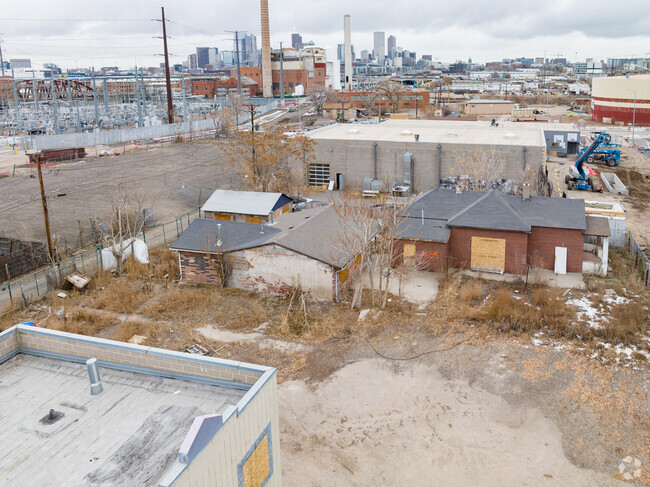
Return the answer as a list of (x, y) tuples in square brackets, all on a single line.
[(191, 28), (74, 20)]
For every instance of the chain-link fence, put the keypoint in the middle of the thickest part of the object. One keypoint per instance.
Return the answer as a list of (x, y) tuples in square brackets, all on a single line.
[(640, 258), (34, 286)]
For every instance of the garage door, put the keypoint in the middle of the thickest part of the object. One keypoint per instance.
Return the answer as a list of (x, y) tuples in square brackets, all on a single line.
[(488, 254)]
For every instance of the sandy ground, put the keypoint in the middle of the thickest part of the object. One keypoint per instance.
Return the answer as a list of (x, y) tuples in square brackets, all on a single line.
[(377, 423), (632, 171)]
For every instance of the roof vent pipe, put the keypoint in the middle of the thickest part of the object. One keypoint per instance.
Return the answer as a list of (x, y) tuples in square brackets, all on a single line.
[(219, 242), (93, 375), (374, 145), (261, 227)]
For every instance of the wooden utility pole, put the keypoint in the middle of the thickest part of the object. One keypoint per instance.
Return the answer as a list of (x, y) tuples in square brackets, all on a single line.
[(252, 107), (170, 102), (45, 216)]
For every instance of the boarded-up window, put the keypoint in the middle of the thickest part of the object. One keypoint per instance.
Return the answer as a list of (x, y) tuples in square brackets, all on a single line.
[(488, 254), (219, 216), (343, 275), (409, 250), (253, 219), (257, 467)]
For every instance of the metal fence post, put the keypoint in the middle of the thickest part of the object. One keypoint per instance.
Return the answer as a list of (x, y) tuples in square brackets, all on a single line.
[(144, 237), (164, 237), (36, 281)]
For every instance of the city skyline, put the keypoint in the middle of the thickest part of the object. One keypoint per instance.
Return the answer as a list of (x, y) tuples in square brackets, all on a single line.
[(125, 34)]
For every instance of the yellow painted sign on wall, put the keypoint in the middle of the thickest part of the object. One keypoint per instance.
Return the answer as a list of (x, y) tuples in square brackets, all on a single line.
[(488, 254)]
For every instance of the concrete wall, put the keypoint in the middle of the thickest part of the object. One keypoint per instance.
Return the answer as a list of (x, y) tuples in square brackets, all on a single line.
[(276, 270), (268, 269), (542, 243), (355, 159), (108, 137)]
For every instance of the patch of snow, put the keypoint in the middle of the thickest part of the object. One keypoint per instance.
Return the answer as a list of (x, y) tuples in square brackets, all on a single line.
[(587, 312)]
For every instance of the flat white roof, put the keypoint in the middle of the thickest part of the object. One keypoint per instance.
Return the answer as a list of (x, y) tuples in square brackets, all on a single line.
[(434, 131), (242, 202), (129, 434)]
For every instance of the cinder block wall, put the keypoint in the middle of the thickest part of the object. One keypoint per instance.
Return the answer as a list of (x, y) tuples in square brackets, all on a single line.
[(355, 160), (125, 356), (542, 243)]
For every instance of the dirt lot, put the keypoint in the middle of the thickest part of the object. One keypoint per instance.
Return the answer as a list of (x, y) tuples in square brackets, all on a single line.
[(489, 385), (78, 192), (632, 172)]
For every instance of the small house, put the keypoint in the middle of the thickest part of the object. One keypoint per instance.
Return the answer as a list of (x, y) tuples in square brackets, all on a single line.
[(490, 231), (300, 249), (246, 206)]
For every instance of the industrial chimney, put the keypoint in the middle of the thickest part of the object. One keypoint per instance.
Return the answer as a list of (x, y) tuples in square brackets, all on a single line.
[(348, 52), (267, 73)]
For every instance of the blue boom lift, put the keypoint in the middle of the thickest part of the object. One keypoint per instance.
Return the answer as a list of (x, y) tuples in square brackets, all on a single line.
[(605, 151), (578, 176)]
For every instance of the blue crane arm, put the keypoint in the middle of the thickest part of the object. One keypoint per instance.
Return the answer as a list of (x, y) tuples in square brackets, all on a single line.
[(580, 161)]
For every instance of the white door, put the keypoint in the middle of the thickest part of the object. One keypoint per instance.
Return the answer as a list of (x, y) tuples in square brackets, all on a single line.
[(560, 260)]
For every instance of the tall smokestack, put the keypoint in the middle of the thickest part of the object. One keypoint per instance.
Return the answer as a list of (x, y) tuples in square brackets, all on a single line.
[(267, 73), (348, 52)]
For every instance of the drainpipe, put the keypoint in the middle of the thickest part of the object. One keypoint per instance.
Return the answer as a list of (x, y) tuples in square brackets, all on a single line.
[(439, 163), (524, 151), (374, 146)]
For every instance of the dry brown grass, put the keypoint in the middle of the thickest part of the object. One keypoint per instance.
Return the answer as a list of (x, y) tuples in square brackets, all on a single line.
[(185, 304), (249, 317), (472, 292), (122, 296), (83, 321), (626, 322), (127, 329), (163, 264), (516, 313)]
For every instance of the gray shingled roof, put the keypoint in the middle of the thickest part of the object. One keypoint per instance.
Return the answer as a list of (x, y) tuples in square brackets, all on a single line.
[(201, 236), (313, 233), (490, 212), (427, 229), (493, 210)]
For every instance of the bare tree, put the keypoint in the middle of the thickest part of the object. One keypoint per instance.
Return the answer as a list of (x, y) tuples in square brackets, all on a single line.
[(126, 221), (270, 161), (476, 170), (393, 91), (319, 95)]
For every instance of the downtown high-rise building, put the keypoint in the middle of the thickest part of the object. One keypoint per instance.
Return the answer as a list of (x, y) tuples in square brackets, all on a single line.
[(202, 56), (379, 51), (248, 54), (192, 62), (392, 44), (296, 41)]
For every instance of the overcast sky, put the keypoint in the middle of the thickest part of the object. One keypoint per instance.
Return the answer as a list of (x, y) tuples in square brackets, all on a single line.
[(121, 32)]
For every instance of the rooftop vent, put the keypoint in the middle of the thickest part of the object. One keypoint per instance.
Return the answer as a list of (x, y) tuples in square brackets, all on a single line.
[(406, 132), (93, 375)]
